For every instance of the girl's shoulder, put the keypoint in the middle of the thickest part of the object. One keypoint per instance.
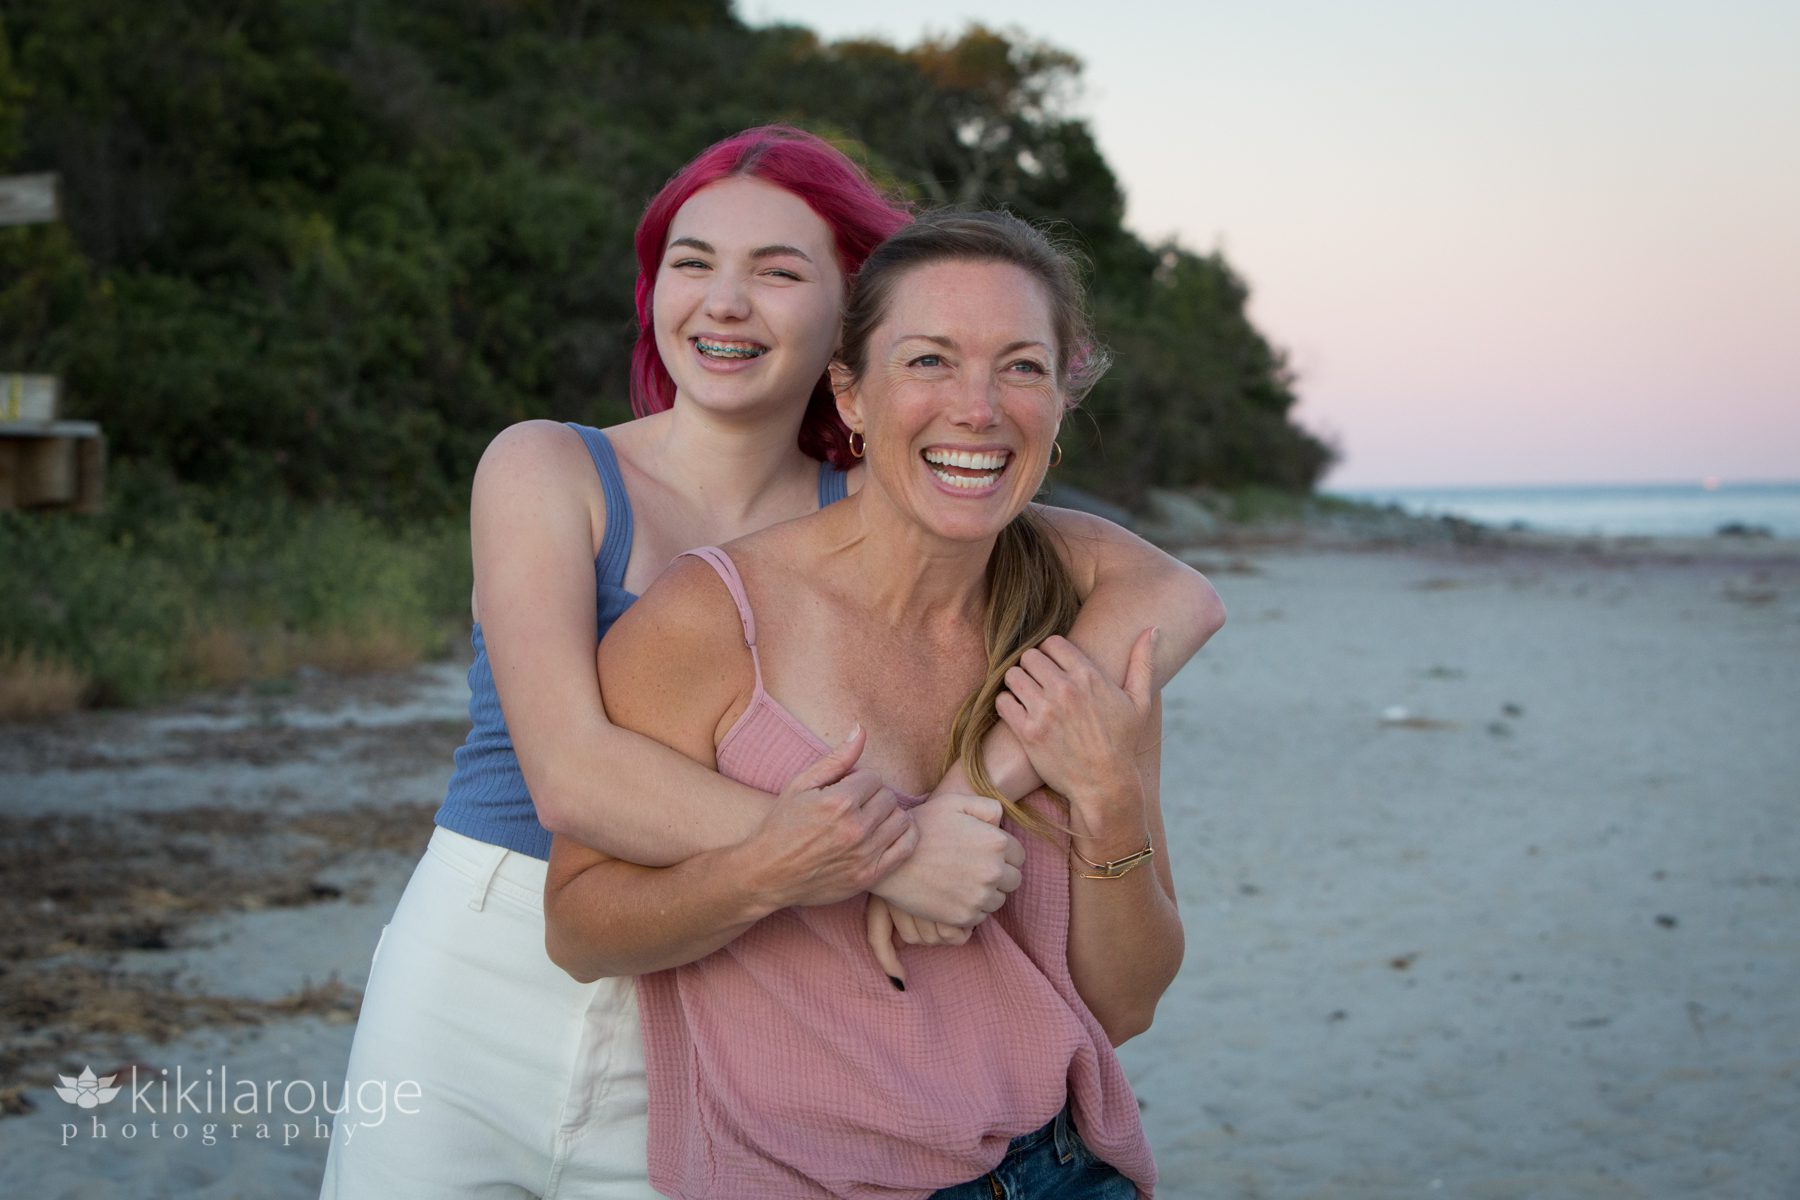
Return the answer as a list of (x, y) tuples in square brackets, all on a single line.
[(536, 445)]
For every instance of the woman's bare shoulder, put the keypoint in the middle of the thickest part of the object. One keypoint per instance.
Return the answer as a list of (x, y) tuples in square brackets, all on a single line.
[(676, 659)]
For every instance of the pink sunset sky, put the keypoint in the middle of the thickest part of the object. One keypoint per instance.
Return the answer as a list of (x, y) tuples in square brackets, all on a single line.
[(1513, 242)]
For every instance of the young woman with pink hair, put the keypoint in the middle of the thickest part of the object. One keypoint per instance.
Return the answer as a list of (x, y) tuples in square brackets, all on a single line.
[(528, 1082)]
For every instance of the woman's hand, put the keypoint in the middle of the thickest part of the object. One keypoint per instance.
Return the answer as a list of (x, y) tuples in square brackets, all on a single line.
[(1079, 730), (835, 832)]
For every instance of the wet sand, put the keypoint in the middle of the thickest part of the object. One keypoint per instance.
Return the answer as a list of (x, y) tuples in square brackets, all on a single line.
[(1488, 859)]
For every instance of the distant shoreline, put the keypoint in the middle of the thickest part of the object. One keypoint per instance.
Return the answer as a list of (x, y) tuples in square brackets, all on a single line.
[(1691, 509), (1183, 522)]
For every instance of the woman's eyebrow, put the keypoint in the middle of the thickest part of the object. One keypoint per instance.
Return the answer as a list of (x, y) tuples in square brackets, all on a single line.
[(779, 251), (696, 243), (950, 343)]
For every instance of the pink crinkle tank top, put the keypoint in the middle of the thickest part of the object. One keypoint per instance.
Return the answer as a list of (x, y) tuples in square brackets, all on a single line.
[(786, 1065)]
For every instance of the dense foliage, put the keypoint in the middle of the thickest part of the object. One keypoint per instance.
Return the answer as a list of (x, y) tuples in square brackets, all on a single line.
[(330, 247)]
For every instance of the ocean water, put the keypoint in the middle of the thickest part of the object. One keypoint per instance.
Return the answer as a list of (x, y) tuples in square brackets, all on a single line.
[(1669, 510)]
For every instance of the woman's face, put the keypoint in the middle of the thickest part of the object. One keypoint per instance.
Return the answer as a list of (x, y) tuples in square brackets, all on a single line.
[(747, 298), (959, 401)]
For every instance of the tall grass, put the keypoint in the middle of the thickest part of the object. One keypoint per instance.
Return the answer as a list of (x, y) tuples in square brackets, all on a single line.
[(173, 589)]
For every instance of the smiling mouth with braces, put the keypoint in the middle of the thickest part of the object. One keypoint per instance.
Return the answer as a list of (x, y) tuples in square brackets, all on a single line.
[(724, 350)]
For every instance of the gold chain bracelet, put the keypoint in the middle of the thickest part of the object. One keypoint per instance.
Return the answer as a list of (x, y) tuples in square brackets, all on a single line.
[(1118, 866)]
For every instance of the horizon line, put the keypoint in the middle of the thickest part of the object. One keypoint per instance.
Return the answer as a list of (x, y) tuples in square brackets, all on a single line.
[(1717, 483)]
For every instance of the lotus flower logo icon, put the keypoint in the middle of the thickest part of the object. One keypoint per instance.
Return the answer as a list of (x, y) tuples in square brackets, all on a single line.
[(85, 1090)]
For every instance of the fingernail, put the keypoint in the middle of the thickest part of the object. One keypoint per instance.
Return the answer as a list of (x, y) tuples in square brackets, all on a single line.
[(1155, 634), (895, 980), (854, 730)]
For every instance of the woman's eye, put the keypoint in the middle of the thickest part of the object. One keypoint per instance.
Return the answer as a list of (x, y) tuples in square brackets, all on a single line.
[(684, 263), (783, 273), (927, 360), (1026, 366)]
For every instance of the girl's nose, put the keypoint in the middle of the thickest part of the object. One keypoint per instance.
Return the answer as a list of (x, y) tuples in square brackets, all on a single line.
[(727, 298)]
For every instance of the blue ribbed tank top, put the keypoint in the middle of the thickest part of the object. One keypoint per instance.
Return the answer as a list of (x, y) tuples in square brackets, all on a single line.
[(487, 799)]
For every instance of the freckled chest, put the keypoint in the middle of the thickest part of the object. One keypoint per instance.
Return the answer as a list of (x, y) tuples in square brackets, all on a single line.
[(833, 668)]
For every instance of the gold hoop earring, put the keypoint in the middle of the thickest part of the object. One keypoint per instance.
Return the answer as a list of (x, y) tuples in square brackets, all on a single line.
[(1057, 459), (857, 443)]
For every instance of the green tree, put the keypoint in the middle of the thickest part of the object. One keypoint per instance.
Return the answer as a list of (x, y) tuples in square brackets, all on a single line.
[(327, 248)]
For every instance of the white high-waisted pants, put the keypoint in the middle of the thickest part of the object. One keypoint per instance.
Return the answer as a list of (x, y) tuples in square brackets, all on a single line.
[(529, 1084)]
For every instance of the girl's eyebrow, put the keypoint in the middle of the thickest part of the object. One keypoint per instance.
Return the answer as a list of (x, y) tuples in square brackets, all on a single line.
[(776, 251), (779, 251)]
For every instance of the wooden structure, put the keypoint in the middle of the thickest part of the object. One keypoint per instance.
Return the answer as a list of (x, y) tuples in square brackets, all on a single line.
[(44, 462)]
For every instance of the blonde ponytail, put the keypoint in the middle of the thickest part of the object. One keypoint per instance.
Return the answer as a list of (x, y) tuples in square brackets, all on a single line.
[(1030, 596)]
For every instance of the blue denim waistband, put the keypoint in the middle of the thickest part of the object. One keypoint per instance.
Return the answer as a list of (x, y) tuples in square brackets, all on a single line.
[(1061, 1127)]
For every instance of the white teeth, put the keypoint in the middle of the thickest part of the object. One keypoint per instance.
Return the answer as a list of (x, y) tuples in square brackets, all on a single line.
[(967, 460), (965, 481)]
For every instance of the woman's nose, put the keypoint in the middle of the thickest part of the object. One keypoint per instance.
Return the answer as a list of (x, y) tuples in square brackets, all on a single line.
[(978, 404)]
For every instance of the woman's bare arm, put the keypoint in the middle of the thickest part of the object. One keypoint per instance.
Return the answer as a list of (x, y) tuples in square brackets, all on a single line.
[(1125, 940), (1125, 936), (537, 514)]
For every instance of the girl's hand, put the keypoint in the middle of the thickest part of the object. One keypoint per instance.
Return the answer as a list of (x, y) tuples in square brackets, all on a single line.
[(885, 922), (963, 867), (1079, 730)]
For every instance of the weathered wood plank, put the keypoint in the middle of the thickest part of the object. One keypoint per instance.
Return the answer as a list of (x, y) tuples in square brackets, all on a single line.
[(47, 472), (90, 472), (52, 464), (29, 397), (28, 199)]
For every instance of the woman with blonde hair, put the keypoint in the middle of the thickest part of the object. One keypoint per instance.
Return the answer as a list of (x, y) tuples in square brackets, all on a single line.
[(896, 630)]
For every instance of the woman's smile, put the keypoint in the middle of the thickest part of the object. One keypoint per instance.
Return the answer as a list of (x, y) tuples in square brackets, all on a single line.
[(967, 470)]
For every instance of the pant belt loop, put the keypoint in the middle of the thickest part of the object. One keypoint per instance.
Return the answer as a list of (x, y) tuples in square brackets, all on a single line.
[(484, 883), (1064, 1133)]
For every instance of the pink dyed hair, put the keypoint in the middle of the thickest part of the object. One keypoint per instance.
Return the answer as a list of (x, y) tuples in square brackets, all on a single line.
[(859, 216)]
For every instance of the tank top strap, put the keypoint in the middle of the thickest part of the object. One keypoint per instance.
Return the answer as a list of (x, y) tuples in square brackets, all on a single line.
[(727, 570), (833, 485), (615, 544)]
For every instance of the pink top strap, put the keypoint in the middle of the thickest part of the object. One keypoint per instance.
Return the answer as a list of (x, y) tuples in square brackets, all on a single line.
[(721, 562)]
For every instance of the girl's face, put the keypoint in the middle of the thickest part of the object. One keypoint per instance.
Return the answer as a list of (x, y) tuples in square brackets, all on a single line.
[(959, 402), (747, 298)]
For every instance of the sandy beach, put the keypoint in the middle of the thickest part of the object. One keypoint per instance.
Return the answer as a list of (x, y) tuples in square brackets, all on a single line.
[(1488, 856)]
